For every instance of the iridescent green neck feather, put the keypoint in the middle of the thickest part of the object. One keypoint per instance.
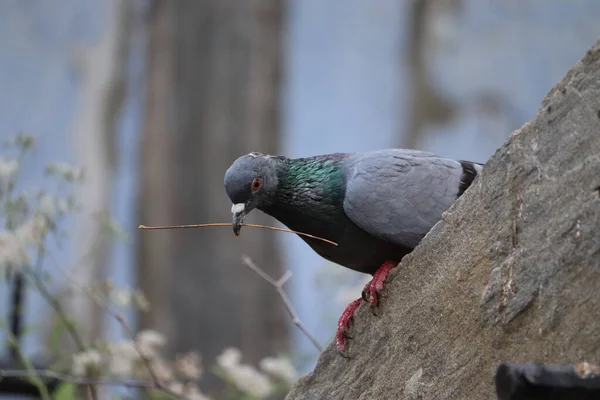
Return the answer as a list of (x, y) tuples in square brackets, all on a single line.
[(310, 192)]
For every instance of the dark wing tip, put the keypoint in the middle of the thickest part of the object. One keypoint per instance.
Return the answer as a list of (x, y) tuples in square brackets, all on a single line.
[(469, 173)]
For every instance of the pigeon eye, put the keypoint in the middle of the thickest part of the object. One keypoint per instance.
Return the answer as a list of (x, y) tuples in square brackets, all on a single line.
[(256, 184)]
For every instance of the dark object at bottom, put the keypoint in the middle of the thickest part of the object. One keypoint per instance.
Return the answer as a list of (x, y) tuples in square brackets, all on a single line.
[(21, 386), (531, 381)]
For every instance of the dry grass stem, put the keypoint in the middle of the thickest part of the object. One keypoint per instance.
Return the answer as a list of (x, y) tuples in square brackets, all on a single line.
[(213, 224)]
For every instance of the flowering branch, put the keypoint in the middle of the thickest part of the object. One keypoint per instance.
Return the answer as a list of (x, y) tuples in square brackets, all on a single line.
[(60, 312), (155, 382), (278, 285), (145, 359), (29, 219)]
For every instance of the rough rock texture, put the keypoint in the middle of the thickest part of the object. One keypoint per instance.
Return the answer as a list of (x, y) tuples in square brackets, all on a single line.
[(512, 273)]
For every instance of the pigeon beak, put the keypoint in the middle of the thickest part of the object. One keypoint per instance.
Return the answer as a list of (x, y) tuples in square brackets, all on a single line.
[(238, 211)]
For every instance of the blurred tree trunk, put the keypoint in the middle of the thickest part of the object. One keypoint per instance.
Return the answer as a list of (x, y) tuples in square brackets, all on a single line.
[(428, 22), (212, 94), (102, 70), (426, 105)]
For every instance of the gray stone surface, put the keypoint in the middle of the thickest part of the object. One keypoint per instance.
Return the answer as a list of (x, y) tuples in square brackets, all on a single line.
[(512, 273)]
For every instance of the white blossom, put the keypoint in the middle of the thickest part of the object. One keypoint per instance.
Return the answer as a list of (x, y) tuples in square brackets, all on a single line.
[(189, 366), (149, 341), (230, 357), (63, 206), (187, 391), (65, 171), (125, 348), (251, 381), (120, 297), (120, 365), (14, 244), (194, 394), (85, 360), (176, 387), (141, 301), (280, 368), (245, 377), (8, 167), (123, 356), (12, 251), (47, 205), (32, 231), (162, 370)]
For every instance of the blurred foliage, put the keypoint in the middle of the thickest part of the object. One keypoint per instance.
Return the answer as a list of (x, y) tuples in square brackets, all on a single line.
[(33, 217)]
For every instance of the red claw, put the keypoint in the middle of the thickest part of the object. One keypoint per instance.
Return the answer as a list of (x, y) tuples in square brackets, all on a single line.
[(343, 325), (375, 286), (371, 293)]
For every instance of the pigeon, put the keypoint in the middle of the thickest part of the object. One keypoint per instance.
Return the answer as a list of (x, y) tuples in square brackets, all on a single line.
[(376, 206)]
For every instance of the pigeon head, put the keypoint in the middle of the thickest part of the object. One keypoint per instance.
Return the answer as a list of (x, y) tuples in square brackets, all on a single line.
[(250, 183)]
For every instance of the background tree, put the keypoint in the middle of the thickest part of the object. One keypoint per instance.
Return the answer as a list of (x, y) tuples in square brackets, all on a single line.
[(214, 69), (426, 104), (101, 69)]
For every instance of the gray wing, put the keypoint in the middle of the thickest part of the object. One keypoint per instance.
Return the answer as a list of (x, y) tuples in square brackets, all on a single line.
[(399, 195)]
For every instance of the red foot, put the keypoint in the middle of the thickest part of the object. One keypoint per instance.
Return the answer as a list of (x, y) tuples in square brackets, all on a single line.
[(371, 294), (343, 324), (373, 289)]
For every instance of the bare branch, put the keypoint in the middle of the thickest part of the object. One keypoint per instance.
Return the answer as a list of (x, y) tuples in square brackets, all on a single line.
[(52, 301), (284, 278), (47, 374), (278, 285)]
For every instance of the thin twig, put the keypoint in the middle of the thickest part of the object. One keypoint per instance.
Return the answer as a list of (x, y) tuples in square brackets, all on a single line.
[(273, 228), (58, 308), (53, 302), (47, 374), (278, 285)]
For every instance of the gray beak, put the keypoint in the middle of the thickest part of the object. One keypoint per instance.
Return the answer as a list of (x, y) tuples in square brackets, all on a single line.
[(238, 212)]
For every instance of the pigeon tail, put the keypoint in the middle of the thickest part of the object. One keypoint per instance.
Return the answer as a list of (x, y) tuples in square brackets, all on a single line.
[(470, 170)]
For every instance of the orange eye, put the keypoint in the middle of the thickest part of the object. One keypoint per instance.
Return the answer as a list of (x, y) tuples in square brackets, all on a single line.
[(256, 184)]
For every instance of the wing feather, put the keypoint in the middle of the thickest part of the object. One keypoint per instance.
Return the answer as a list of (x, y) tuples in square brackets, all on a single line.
[(399, 195)]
